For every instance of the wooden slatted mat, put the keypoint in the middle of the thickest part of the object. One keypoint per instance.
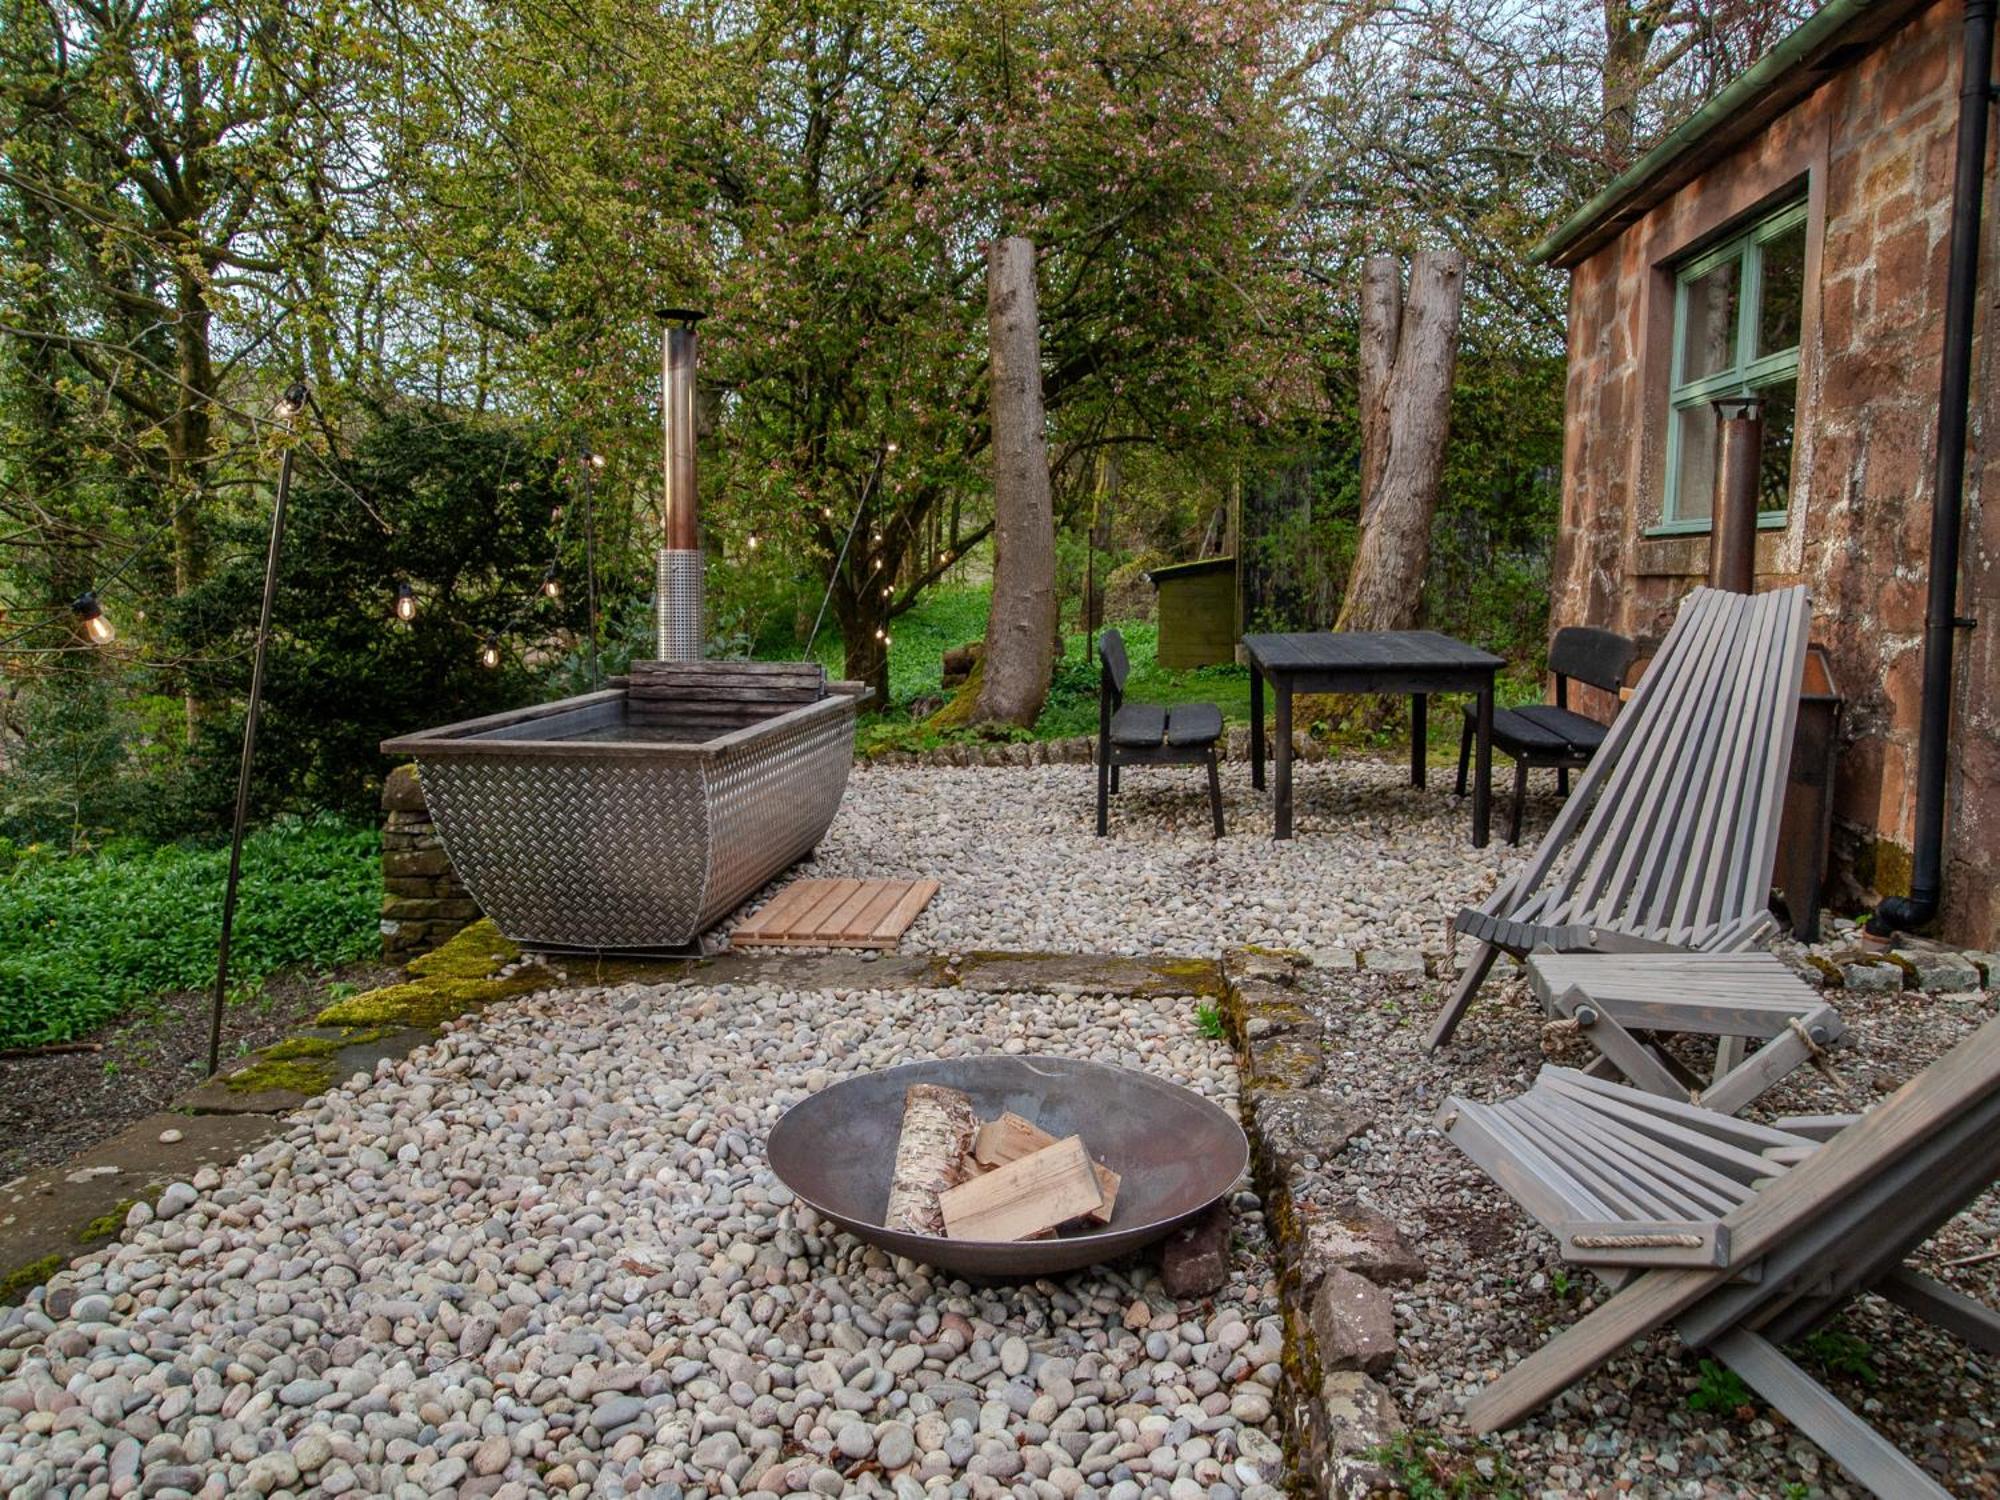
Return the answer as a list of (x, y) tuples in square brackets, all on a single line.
[(836, 914)]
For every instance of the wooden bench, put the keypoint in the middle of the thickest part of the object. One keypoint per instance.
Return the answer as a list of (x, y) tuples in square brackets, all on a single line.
[(1622, 1002), (1149, 734)]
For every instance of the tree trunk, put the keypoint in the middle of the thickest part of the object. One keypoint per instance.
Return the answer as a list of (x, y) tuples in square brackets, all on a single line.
[(860, 612), (1385, 586), (1381, 327), (1104, 508), (1021, 627)]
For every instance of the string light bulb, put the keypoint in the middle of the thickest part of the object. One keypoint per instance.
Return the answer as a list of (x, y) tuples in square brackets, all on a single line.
[(881, 635), (552, 585), (405, 606), (751, 540), (555, 515), (892, 447), (489, 653), (91, 619), (595, 460), (292, 402)]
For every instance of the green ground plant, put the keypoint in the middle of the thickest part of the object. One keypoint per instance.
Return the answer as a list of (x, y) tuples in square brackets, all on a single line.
[(1208, 1020), (84, 937), (1719, 1389)]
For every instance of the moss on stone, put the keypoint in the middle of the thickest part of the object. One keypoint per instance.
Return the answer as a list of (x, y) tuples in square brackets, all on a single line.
[(18, 1282), (475, 953), (1200, 977), (1829, 970), (426, 1002), (298, 1075), (106, 1224)]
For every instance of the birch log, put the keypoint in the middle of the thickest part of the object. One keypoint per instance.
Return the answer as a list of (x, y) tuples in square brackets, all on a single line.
[(1021, 624), (938, 1131)]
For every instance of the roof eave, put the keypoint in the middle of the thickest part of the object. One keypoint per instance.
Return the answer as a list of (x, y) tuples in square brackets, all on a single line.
[(1805, 58)]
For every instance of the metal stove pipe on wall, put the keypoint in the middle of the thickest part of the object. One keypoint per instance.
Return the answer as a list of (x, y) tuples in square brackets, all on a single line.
[(678, 584), (1732, 536)]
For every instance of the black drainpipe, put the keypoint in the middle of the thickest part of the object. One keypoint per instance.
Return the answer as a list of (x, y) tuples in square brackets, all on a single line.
[(1975, 94)]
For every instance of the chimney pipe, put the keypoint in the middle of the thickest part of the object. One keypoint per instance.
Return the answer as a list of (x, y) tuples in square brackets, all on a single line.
[(1732, 537), (679, 581)]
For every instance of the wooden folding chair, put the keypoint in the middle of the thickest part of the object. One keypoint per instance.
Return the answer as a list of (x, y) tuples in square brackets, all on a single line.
[(1671, 836), (1764, 1018), (1744, 1237)]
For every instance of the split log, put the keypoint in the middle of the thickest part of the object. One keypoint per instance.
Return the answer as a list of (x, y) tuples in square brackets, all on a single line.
[(1024, 1198), (1010, 1138), (938, 1130)]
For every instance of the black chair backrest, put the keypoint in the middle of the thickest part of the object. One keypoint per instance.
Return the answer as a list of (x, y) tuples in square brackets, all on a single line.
[(1598, 657), (1117, 667)]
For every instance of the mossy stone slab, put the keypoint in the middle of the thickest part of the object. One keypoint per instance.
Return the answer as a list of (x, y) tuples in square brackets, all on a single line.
[(47, 1213)]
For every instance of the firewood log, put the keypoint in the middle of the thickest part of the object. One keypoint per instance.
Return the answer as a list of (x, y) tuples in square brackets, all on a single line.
[(938, 1130)]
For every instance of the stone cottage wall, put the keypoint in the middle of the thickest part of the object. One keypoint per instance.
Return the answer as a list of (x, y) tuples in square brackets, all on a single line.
[(1874, 148), (423, 902)]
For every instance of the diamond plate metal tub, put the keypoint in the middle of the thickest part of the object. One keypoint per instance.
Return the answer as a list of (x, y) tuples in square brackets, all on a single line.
[(614, 821)]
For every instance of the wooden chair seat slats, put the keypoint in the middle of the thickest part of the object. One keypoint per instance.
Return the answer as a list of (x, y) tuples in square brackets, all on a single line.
[(1671, 835), (1803, 1239)]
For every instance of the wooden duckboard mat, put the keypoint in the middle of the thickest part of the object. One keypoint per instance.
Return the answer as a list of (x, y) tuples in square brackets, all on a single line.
[(836, 914)]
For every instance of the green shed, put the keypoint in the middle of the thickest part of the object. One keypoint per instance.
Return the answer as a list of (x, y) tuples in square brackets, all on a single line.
[(1197, 612)]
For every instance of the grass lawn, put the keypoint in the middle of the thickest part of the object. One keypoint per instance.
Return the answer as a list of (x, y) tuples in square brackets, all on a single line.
[(952, 616)]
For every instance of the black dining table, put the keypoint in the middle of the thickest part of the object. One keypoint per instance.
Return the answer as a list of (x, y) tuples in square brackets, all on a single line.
[(1416, 662)]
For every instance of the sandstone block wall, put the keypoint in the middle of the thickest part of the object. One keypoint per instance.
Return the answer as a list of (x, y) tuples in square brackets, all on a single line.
[(423, 902), (1872, 150)]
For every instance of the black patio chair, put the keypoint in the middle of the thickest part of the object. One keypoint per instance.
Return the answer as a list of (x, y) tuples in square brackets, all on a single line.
[(1149, 734), (1552, 735)]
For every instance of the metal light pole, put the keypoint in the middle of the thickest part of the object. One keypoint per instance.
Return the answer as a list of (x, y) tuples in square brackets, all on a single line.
[(293, 404), (592, 462)]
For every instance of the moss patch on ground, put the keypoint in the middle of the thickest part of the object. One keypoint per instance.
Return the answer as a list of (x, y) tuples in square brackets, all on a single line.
[(474, 953), (18, 1282), (107, 1224), (444, 984), (299, 1075)]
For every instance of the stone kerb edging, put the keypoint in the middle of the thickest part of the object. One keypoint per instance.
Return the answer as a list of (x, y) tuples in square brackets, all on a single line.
[(1337, 1257)]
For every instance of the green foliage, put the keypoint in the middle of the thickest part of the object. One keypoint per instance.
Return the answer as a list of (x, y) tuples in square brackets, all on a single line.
[(83, 937), (1427, 1467), (1208, 1020), (1719, 1389), (1838, 1352)]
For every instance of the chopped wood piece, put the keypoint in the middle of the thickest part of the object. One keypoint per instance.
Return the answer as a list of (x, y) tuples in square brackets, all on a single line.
[(1010, 1138), (938, 1129), (1024, 1197)]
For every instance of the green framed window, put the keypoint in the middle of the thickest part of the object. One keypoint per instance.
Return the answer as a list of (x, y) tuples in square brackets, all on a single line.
[(1737, 311)]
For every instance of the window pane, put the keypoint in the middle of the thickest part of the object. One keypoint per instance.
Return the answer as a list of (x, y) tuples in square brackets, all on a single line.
[(1774, 467), (1708, 333), (1783, 294), (1694, 477)]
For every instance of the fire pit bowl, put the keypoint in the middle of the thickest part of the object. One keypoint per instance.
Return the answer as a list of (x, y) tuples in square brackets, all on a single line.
[(1176, 1152)]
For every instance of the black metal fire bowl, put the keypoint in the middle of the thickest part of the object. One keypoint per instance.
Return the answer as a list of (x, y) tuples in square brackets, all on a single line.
[(1176, 1153)]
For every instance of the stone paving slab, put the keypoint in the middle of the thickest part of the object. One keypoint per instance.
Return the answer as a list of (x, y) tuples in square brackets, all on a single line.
[(47, 1212)]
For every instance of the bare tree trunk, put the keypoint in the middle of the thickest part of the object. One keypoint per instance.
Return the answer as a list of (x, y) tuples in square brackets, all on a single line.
[(1385, 587), (1104, 508), (1381, 327), (1021, 628)]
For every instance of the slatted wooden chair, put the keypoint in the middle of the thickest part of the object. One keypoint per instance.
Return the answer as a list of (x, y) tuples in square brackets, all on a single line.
[(1744, 1237), (1147, 734), (1671, 836), (1553, 736), (1764, 1018)]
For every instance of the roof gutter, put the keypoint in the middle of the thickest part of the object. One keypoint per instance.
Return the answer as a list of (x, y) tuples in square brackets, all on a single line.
[(1975, 95), (1798, 48)]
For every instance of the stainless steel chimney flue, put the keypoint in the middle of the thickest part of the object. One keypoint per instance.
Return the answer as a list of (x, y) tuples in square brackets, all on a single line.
[(679, 578)]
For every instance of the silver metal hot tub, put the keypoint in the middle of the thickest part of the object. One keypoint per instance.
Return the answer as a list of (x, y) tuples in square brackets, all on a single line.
[(637, 817)]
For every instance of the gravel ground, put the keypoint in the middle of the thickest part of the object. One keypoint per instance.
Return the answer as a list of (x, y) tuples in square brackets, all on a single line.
[(546, 1253), (54, 1105), (1374, 863), (1498, 1290)]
